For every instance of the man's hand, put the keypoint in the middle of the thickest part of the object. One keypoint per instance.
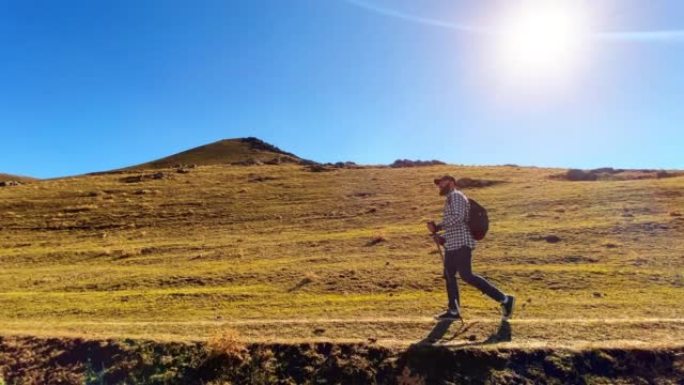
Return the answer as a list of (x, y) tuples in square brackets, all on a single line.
[(440, 240), (432, 227)]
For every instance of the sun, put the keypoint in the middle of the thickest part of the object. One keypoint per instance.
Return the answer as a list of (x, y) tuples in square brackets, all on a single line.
[(543, 38)]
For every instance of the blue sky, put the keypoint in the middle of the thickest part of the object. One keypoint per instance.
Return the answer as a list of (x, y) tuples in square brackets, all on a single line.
[(95, 85)]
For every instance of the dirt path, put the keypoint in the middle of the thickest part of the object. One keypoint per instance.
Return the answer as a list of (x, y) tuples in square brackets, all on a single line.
[(317, 321), (388, 331)]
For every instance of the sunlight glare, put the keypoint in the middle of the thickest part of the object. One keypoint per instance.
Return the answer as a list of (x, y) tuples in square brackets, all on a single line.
[(542, 38)]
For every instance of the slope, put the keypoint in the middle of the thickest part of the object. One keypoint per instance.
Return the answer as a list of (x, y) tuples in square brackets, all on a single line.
[(188, 256)]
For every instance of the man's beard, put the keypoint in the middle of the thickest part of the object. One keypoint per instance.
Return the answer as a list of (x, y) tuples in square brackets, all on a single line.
[(444, 190)]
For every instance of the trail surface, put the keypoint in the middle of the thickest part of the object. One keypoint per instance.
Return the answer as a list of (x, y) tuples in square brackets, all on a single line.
[(375, 320), (395, 331)]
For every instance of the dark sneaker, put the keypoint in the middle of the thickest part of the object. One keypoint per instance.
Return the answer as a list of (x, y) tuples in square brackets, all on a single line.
[(507, 307), (448, 315)]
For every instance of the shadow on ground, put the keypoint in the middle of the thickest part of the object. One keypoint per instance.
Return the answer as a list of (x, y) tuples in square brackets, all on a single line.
[(437, 335)]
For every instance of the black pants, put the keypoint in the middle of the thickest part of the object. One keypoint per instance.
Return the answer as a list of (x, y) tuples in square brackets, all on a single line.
[(459, 261)]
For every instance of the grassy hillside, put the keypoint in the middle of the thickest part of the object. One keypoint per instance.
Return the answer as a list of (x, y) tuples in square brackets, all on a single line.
[(228, 151), (279, 253)]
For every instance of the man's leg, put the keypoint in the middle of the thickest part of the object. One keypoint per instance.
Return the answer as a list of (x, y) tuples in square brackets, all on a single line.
[(450, 269), (464, 257)]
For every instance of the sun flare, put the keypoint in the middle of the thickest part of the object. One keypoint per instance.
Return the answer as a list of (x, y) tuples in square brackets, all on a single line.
[(542, 38)]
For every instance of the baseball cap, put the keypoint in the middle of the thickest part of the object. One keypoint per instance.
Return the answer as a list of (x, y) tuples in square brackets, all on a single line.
[(445, 177)]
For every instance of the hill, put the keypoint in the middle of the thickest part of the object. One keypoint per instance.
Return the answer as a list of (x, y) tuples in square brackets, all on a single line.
[(17, 178), (280, 254), (242, 151)]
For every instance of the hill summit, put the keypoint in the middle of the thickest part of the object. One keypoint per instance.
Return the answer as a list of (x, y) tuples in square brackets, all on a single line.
[(238, 151)]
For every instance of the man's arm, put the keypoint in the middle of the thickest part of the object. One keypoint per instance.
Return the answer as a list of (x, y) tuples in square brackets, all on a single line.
[(454, 212)]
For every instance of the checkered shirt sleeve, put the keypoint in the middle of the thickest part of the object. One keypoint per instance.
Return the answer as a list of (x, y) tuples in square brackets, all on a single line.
[(454, 224)]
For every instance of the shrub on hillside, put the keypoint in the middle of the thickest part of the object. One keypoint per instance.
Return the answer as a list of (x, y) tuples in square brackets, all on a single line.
[(475, 183), (401, 163)]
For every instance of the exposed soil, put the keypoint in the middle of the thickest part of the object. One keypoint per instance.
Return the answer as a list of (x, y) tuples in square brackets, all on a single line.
[(28, 360)]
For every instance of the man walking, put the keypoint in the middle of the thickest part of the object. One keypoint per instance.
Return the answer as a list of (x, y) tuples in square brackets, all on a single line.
[(459, 245)]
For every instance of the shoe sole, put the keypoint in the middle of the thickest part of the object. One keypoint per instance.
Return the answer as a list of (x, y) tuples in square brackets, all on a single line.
[(447, 318)]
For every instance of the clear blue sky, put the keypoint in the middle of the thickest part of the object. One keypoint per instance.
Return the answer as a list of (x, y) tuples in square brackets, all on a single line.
[(95, 85)]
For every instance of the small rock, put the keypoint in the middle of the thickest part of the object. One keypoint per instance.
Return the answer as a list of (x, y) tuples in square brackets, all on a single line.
[(362, 194), (552, 239), (253, 178), (319, 168), (578, 259), (248, 162), (376, 240)]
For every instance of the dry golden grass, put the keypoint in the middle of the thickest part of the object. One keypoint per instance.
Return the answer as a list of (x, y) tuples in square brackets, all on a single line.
[(228, 342), (184, 256)]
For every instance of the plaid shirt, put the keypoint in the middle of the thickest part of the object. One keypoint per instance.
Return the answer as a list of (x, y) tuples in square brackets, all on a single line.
[(455, 226)]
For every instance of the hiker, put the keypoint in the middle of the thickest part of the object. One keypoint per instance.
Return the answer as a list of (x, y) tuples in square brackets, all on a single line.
[(459, 244)]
